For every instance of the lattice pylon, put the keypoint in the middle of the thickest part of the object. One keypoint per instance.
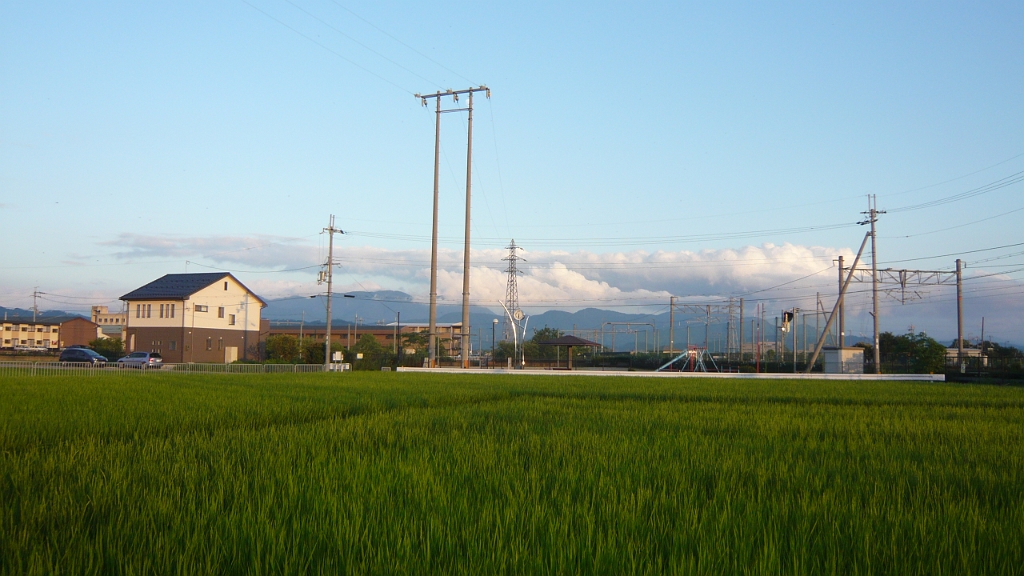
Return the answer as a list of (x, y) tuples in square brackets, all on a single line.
[(512, 286)]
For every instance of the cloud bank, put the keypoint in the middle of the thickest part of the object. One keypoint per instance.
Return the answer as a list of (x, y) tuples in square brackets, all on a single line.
[(547, 278)]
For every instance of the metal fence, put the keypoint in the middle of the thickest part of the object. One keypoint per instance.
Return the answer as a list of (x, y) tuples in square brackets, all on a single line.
[(87, 369)]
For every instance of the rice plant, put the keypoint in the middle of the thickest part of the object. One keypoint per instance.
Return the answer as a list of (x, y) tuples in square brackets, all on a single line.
[(408, 473)]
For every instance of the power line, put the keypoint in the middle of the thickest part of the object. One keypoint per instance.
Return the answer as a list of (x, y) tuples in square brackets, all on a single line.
[(948, 228), (352, 62), (325, 23), (374, 26), (990, 187), (955, 179)]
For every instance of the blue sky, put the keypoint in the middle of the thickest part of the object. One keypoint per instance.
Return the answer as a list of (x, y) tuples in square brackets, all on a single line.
[(702, 150)]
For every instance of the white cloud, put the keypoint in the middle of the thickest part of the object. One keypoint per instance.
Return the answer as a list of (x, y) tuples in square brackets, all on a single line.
[(547, 278)]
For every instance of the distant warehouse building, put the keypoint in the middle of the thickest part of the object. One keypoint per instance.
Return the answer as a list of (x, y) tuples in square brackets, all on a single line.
[(207, 317)]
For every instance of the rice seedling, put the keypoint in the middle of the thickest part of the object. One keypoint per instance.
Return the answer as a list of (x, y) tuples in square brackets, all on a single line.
[(411, 473)]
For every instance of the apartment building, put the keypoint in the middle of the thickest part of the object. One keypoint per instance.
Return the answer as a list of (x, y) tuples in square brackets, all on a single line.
[(30, 335)]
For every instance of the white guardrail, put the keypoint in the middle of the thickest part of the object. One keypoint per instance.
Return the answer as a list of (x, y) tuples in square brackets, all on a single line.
[(87, 369)]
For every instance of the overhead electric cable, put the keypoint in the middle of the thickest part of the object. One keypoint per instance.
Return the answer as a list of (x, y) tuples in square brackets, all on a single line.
[(384, 32), (990, 187), (955, 179), (325, 23), (352, 62)]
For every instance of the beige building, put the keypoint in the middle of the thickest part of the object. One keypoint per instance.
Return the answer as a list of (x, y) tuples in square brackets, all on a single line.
[(207, 317), (102, 316), (111, 323), (38, 336)]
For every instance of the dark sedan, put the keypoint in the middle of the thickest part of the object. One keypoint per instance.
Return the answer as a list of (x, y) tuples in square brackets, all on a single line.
[(83, 355)]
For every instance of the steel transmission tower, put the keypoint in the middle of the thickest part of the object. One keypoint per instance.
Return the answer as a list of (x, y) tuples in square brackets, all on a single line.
[(512, 287)]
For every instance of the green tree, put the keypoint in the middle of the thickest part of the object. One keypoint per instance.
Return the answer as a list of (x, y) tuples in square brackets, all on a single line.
[(415, 340), (313, 350), (914, 353), (535, 350), (503, 350), (282, 348), (112, 348)]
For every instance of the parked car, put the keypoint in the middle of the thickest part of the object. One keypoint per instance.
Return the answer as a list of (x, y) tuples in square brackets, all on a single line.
[(81, 354), (141, 360)]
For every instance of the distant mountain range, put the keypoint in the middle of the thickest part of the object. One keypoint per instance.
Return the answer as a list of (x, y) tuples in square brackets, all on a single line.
[(22, 314), (380, 308)]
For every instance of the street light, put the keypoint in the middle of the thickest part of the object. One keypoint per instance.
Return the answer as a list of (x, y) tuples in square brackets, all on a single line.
[(494, 323)]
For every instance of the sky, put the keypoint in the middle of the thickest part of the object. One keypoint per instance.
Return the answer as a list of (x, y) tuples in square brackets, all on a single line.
[(702, 150)]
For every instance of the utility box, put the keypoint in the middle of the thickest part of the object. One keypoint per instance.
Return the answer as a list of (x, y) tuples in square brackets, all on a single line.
[(844, 360)]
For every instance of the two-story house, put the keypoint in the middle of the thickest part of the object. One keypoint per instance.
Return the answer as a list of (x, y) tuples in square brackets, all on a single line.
[(207, 317)]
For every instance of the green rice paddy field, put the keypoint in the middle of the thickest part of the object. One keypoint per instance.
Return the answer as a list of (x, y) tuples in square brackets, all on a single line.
[(382, 473)]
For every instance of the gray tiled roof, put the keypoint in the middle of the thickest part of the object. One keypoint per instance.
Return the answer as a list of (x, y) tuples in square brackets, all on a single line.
[(178, 286), (568, 340)]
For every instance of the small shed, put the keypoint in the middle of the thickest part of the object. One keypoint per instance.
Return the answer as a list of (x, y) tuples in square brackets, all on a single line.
[(569, 342)]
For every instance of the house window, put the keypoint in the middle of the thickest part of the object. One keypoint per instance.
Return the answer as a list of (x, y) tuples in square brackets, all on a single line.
[(172, 312), (231, 319), (225, 286), (202, 308), (161, 310), (7, 341), (209, 343), (220, 343), (149, 310), (54, 330), (138, 310), (220, 312), (24, 328), (172, 345)]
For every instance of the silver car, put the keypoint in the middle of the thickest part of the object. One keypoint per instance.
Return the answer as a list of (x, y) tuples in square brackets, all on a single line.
[(141, 360)]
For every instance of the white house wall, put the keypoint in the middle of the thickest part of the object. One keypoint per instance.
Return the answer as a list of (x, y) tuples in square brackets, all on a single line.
[(236, 300)]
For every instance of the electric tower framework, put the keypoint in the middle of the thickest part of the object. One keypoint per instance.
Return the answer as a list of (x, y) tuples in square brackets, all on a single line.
[(511, 286)]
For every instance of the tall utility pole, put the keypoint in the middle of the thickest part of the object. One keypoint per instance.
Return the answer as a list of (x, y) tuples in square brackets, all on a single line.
[(872, 214), (741, 330), (671, 324), (959, 317), (464, 346), (35, 308), (433, 241), (792, 324), (841, 339), (329, 276)]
